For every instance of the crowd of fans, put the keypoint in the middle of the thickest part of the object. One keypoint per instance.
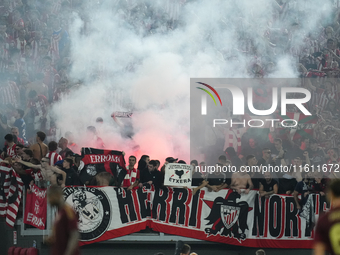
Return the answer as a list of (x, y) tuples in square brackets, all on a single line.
[(34, 65), (34, 74)]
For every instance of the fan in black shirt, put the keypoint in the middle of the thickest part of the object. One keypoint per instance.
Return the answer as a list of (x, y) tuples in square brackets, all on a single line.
[(151, 176), (197, 179), (217, 179), (266, 158), (232, 156), (143, 169), (287, 184), (268, 186), (251, 148), (71, 175), (304, 187), (223, 160)]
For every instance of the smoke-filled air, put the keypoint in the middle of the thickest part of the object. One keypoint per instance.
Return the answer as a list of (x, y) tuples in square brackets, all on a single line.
[(138, 56)]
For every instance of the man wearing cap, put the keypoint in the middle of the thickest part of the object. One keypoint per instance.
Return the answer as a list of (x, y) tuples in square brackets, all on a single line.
[(170, 160), (167, 161)]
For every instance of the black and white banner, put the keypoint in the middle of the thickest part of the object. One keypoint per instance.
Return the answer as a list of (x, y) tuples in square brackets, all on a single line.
[(224, 216), (97, 161)]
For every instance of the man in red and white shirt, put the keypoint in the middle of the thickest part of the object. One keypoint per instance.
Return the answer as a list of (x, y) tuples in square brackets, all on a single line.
[(17, 23), (132, 176), (10, 146), (38, 104), (233, 136), (51, 76), (9, 92), (52, 154), (34, 43), (15, 131), (61, 91)]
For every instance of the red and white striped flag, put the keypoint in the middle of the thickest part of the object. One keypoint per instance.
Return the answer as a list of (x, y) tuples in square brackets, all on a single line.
[(11, 187)]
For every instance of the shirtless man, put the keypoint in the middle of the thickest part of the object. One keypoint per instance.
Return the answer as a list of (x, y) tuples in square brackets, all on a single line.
[(48, 172), (39, 149), (240, 180)]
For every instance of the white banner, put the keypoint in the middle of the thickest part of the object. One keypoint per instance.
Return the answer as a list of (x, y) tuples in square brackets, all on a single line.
[(178, 175)]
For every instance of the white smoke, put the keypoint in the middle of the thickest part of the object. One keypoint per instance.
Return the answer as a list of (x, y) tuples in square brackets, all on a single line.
[(122, 63)]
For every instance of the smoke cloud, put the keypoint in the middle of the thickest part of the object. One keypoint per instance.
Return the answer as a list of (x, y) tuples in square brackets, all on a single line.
[(129, 59)]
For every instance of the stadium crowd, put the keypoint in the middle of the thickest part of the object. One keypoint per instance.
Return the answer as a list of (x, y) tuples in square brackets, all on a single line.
[(35, 61)]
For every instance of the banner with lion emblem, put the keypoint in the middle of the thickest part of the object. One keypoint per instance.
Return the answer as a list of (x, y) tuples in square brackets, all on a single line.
[(225, 216)]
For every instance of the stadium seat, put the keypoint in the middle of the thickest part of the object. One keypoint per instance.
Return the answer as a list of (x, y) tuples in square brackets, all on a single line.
[(11, 250), (32, 251), (17, 251), (23, 251)]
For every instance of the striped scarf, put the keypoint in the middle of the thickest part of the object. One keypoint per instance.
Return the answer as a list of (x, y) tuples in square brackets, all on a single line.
[(10, 193), (130, 177), (230, 137)]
